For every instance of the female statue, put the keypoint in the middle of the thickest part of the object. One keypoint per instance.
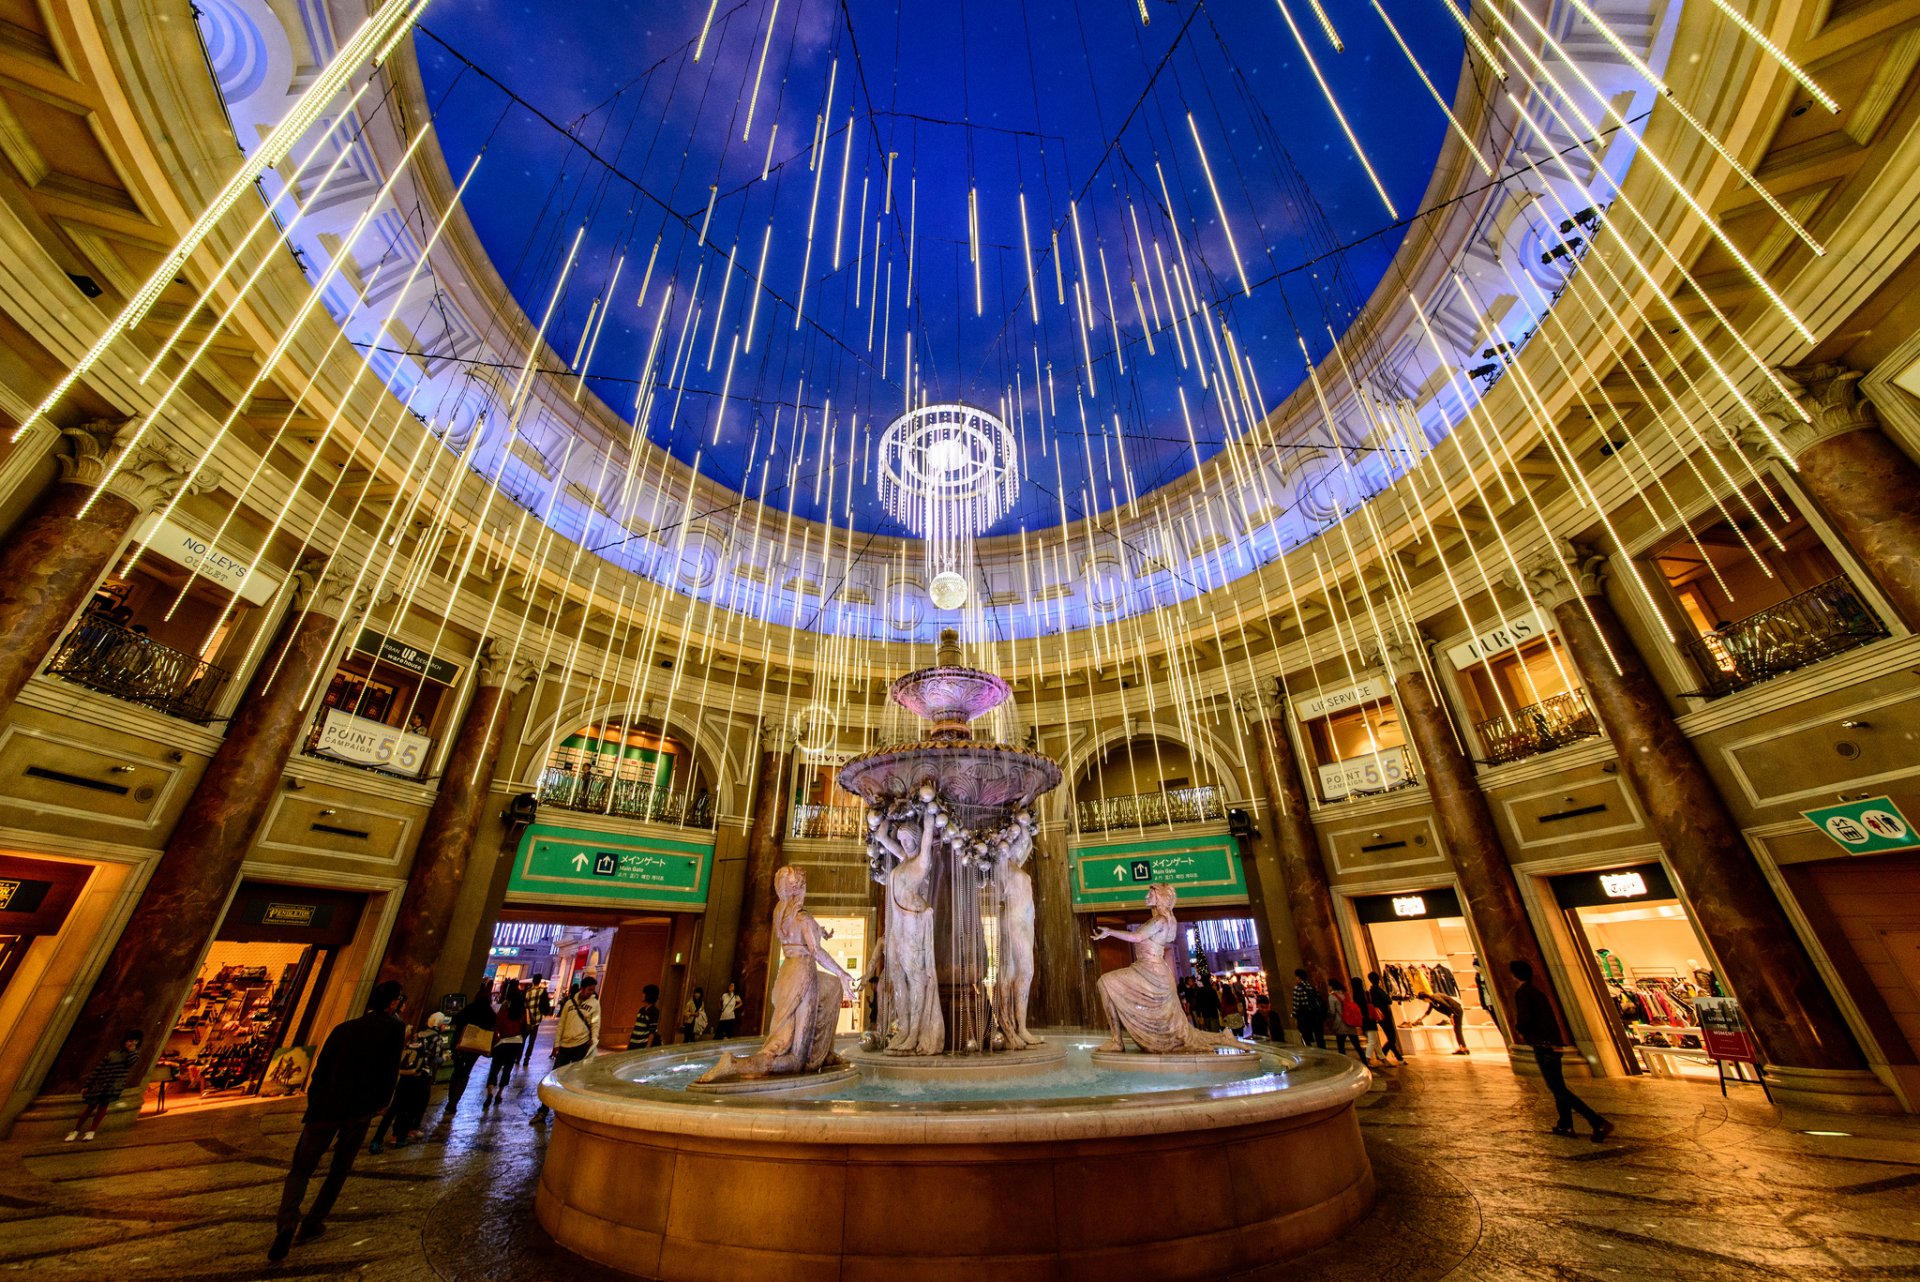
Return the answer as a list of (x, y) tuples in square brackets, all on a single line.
[(1013, 984), (920, 1025), (805, 1005), (1141, 998)]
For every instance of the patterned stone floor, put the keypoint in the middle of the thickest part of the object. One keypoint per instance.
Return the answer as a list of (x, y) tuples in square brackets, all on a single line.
[(1471, 1187)]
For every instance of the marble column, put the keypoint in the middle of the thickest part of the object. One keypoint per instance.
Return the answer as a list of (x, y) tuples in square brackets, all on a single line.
[(1303, 867), (1864, 482), (765, 840), (1783, 997), (152, 965), (1468, 831), (446, 839), (55, 555)]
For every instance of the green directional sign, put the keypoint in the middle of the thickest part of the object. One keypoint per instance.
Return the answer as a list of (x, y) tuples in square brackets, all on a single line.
[(1203, 869), (1870, 827), (577, 865)]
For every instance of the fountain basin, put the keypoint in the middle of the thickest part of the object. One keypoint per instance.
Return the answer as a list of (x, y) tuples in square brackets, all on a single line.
[(1078, 1174)]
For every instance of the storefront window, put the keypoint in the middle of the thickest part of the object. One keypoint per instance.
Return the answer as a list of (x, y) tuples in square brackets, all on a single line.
[(1356, 739), (1423, 950), (638, 772), (1522, 690), (1761, 596), (822, 809), (1647, 964), (248, 1022), (158, 635), (383, 706)]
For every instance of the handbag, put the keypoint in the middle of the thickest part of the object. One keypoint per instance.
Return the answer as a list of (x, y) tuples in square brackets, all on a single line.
[(475, 1040)]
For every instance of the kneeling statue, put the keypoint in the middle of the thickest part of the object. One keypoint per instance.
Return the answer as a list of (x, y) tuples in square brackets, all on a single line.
[(805, 1003), (1142, 998)]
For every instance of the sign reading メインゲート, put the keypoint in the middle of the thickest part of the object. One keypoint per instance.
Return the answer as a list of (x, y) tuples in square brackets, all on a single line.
[(1203, 870), (557, 864)]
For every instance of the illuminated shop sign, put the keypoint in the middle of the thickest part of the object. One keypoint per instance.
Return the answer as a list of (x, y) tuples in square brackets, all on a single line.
[(1431, 904), (1623, 885), (1642, 882), (183, 547)]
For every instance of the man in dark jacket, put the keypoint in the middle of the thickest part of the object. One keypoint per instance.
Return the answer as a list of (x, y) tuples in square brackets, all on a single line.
[(352, 1080), (1535, 1024), (1309, 1010)]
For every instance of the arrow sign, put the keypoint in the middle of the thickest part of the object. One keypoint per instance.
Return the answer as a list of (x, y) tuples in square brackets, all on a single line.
[(606, 865), (580, 863), (1119, 873)]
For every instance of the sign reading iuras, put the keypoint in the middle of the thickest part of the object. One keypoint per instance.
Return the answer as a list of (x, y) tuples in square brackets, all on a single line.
[(1203, 869), (557, 864)]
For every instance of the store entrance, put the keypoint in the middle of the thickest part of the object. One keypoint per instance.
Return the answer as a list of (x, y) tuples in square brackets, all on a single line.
[(247, 1026), (1640, 952), (549, 950), (1419, 942)]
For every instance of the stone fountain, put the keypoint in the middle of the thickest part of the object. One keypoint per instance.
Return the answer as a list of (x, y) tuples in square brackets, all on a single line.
[(958, 1142), (949, 832)]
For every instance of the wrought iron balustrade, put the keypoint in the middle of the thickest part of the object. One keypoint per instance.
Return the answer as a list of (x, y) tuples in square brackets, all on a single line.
[(1539, 727), (814, 822), (1203, 804), (572, 782), (133, 666), (1817, 624)]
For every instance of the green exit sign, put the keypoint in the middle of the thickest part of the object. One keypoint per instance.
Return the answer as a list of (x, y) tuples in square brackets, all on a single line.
[(578, 865), (1203, 869), (1870, 827)]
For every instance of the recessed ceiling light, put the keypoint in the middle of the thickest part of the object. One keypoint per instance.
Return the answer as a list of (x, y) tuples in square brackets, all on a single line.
[(1831, 1134)]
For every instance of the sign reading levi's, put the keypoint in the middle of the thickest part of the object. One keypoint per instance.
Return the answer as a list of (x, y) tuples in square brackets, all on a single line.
[(1509, 633)]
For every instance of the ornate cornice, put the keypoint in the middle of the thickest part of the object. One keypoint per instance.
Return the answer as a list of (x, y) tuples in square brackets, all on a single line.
[(1826, 403)]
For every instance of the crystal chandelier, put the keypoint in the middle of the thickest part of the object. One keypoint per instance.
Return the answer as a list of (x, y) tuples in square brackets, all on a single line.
[(948, 472)]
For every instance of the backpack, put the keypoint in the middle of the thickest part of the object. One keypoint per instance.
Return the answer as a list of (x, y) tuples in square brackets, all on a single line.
[(1350, 1013)]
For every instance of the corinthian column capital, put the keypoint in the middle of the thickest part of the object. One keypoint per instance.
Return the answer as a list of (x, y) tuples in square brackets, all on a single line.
[(774, 735), (1826, 402), (1399, 648), (100, 455), (1559, 572), (336, 595), (497, 665)]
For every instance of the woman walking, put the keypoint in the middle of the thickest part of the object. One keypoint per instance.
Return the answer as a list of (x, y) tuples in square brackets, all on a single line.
[(509, 1031), (1344, 1017), (693, 1016), (472, 1038), (729, 1025), (1369, 1023)]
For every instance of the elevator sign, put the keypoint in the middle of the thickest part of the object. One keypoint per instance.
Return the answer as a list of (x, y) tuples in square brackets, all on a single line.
[(1871, 827), (577, 865)]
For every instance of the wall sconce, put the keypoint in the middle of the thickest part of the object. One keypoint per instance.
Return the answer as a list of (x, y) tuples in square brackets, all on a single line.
[(1856, 725)]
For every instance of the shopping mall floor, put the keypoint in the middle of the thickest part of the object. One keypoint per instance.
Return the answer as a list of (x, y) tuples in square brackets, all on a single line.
[(1471, 1186)]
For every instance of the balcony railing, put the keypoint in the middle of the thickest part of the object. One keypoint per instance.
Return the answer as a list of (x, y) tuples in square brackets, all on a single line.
[(1540, 727), (1817, 624), (132, 666), (1145, 809), (590, 788), (812, 822)]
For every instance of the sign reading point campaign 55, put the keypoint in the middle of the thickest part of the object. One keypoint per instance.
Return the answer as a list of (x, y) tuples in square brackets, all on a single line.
[(1869, 827), (557, 865), (1203, 870)]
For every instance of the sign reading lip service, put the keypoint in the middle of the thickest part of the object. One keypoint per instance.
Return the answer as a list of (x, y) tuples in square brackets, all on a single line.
[(185, 548), (1372, 690)]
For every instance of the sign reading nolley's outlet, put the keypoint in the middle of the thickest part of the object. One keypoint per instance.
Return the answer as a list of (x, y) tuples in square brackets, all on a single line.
[(559, 865)]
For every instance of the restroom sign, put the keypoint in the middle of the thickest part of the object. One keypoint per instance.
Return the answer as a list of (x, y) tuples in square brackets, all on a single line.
[(1870, 827)]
